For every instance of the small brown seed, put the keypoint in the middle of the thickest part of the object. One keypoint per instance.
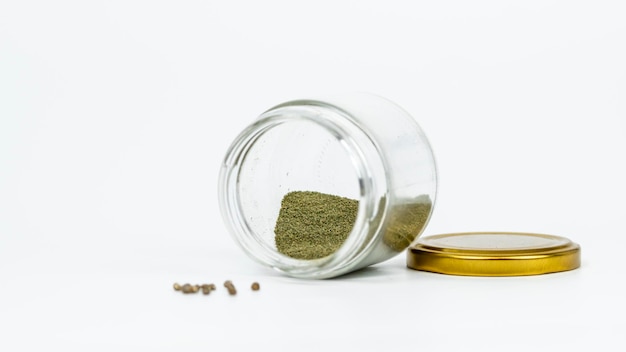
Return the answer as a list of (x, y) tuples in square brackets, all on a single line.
[(230, 287), (176, 286), (212, 287), (187, 288), (206, 289), (195, 289), (255, 286)]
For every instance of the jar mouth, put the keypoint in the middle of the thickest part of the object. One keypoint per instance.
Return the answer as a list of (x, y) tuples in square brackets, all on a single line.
[(350, 136)]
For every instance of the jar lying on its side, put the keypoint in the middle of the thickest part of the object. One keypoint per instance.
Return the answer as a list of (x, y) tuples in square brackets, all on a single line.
[(357, 146)]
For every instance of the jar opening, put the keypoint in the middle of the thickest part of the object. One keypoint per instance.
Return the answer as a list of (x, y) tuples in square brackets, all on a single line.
[(294, 149)]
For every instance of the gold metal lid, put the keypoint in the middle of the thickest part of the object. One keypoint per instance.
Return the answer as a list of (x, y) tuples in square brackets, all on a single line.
[(494, 254)]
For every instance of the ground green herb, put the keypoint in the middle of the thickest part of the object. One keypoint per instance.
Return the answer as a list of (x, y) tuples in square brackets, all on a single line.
[(312, 225), (406, 221)]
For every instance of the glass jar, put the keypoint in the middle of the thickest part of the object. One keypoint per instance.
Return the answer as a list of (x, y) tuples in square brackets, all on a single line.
[(357, 146)]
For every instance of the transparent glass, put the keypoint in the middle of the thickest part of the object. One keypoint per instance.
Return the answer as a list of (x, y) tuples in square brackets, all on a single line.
[(358, 146)]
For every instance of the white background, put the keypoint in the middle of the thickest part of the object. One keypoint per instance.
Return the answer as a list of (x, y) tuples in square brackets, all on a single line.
[(114, 118)]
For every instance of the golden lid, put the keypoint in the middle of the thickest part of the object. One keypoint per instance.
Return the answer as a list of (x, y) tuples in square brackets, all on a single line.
[(494, 254)]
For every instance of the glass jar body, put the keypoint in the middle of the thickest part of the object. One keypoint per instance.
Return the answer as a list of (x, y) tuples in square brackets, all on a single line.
[(358, 146)]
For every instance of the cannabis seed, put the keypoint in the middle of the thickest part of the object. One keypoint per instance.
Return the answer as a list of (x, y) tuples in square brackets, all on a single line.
[(231, 288), (206, 289), (187, 288), (176, 287), (255, 286)]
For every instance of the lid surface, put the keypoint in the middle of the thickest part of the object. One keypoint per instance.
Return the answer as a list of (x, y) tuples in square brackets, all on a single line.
[(494, 254)]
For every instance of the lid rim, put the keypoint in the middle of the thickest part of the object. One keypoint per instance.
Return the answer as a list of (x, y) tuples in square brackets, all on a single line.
[(495, 253)]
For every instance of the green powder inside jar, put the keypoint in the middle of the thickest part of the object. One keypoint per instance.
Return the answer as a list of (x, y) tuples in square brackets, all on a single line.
[(312, 225), (405, 222)]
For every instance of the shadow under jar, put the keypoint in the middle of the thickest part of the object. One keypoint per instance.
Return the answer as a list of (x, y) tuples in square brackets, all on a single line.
[(358, 146)]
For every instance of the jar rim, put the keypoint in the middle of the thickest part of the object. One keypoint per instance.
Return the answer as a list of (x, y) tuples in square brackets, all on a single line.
[(341, 125)]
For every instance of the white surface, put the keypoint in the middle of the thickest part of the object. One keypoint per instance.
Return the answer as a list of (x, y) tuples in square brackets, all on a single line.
[(114, 117)]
